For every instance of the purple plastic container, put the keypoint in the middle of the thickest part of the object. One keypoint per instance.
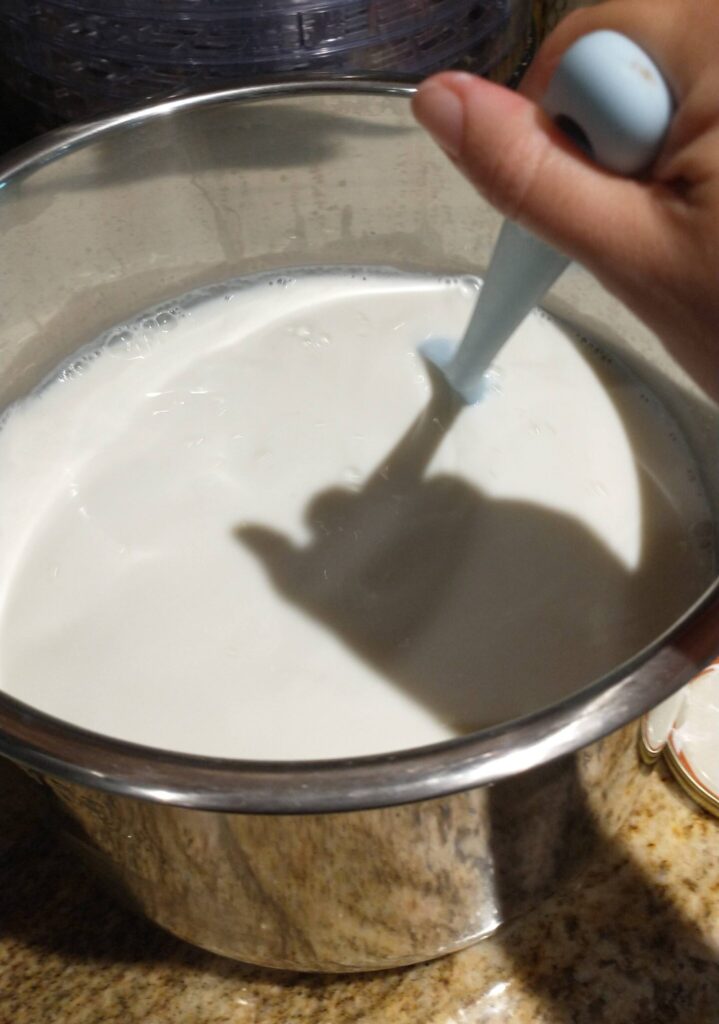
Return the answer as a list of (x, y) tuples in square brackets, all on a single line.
[(81, 57)]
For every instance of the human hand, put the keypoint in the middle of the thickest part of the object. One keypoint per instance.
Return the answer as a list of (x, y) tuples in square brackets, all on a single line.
[(653, 242)]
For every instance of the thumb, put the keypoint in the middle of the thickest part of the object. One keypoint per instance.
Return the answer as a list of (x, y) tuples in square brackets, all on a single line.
[(278, 555), (522, 163)]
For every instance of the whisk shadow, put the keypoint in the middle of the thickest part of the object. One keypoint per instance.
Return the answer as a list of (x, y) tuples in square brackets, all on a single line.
[(445, 590)]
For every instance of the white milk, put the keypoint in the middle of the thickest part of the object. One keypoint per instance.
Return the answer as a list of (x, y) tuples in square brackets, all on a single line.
[(219, 534)]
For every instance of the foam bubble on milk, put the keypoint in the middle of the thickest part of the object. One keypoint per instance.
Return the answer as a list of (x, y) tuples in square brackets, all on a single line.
[(243, 524)]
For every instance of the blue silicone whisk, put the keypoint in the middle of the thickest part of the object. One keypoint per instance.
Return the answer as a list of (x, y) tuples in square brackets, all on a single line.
[(611, 99)]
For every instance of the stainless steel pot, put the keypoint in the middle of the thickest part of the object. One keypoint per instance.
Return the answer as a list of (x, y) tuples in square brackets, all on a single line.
[(331, 866)]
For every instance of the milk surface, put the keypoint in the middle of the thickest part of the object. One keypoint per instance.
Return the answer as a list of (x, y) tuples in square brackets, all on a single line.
[(251, 525)]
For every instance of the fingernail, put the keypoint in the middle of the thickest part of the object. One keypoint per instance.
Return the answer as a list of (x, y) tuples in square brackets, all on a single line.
[(441, 112)]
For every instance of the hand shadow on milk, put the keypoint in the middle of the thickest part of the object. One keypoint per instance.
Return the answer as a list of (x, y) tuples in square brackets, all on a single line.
[(481, 609)]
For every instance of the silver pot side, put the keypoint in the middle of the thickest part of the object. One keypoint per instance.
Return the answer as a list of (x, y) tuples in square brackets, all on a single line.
[(361, 890)]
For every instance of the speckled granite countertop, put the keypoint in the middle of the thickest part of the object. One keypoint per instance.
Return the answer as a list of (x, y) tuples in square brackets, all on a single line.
[(635, 940)]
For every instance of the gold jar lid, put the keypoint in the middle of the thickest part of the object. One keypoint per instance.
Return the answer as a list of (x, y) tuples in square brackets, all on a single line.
[(685, 731)]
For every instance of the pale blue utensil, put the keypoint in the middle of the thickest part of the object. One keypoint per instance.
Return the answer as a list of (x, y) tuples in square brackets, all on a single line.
[(612, 100)]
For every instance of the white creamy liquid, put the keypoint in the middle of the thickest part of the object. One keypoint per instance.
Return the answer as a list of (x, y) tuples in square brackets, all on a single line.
[(222, 534)]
